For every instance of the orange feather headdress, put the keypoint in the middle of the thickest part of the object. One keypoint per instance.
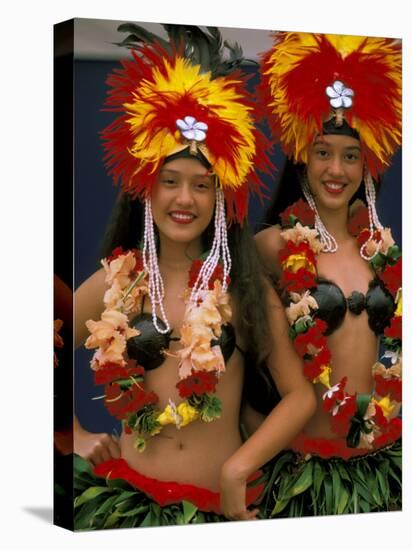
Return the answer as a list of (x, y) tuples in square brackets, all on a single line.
[(168, 103), (309, 78)]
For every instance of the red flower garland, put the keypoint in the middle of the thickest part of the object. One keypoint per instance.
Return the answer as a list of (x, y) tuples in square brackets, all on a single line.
[(301, 210), (197, 384)]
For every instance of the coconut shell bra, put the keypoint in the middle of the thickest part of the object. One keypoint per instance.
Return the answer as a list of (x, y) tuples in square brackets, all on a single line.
[(333, 305), (147, 348)]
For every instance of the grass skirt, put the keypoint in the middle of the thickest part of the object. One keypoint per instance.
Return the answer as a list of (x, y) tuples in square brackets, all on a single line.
[(309, 485), (115, 495)]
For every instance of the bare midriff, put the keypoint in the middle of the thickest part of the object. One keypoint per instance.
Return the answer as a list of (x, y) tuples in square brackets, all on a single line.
[(196, 453)]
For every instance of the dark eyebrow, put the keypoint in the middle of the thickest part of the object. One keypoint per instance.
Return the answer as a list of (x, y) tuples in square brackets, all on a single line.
[(320, 141), (168, 170), (176, 172)]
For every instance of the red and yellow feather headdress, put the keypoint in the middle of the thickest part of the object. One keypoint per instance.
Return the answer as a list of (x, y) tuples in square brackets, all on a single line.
[(309, 78), (160, 94)]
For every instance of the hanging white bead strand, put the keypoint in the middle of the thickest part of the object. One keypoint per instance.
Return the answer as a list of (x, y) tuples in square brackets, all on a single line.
[(220, 249), (374, 222), (151, 265), (328, 240)]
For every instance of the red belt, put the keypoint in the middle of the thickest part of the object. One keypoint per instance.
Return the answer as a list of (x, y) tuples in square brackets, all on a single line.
[(170, 492)]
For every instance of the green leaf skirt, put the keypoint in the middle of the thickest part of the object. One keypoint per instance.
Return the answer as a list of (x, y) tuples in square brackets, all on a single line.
[(102, 503), (314, 486)]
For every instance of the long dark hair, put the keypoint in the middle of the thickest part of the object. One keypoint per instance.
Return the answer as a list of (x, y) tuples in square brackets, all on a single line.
[(126, 229), (288, 190)]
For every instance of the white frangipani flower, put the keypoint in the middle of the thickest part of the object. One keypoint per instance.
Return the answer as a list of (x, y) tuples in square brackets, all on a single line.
[(329, 393), (191, 129), (339, 95)]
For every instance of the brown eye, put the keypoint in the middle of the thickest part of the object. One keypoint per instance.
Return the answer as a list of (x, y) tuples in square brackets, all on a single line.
[(203, 185)]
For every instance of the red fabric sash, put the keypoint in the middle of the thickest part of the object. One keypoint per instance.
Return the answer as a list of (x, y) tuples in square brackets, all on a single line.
[(169, 492), (327, 448)]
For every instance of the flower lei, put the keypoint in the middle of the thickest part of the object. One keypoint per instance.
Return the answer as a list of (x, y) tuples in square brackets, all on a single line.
[(364, 420), (200, 360)]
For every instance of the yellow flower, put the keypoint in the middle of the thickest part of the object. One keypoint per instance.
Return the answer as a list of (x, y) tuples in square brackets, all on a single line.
[(187, 413), (386, 405), (295, 261), (398, 312), (323, 377), (168, 416)]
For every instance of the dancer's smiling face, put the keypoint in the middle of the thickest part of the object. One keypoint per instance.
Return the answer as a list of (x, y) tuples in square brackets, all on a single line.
[(183, 200), (334, 170)]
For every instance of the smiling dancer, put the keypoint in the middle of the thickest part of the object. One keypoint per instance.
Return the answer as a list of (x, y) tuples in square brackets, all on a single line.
[(334, 103), (177, 314)]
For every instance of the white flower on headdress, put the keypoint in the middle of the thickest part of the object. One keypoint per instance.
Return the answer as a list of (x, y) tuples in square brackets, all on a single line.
[(339, 95), (192, 129)]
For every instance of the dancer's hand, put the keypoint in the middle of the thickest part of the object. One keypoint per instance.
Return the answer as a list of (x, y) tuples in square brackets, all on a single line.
[(233, 495), (95, 447)]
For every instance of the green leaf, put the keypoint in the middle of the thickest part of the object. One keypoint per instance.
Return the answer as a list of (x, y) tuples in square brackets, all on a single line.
[(318, 477), (179, 519), (364, 506), (383, 486), (211, 409), (301, 326), (365, 494), (147, 522), (129, 522), (328, 496), (111, 521), (393, 474), (199, 518), (337, 487), (89, 494), (189, 510), (125, 495), (134, 511), (107, 505), (155, 509), (81, 466), (342, 501), (117, 484), (378, 261), (279, 506), (304, 481), (343, 472), (355, 500), (279, 465), (362, 402), (85, 517), (394, 253)]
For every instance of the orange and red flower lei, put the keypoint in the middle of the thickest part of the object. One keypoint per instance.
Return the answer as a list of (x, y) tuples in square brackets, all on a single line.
[(125, 396)]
